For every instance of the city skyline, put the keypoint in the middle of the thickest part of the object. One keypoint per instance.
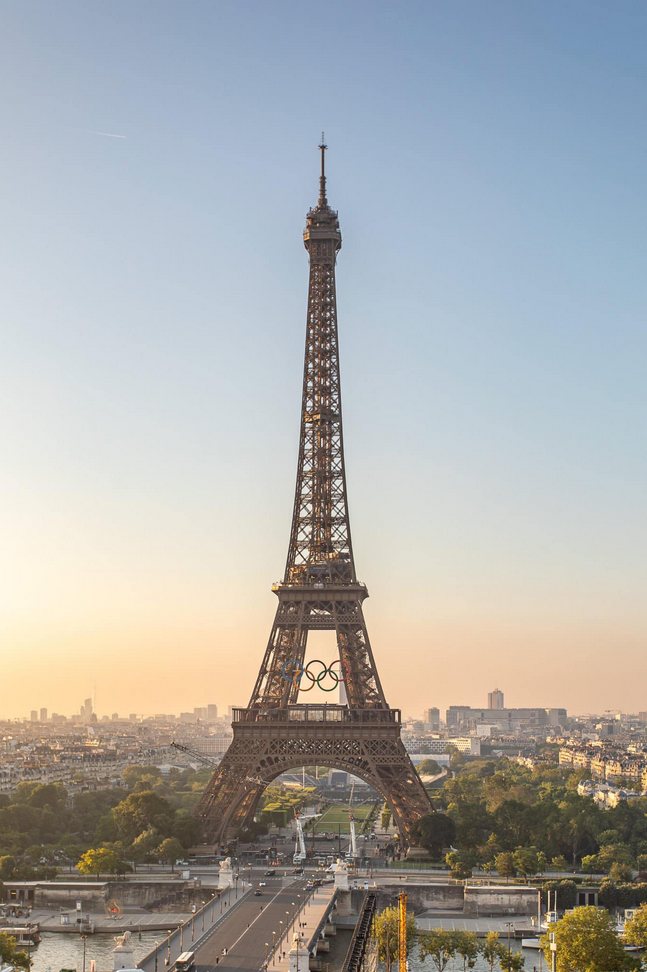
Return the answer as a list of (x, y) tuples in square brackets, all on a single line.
[(219, 712), (487, 170)]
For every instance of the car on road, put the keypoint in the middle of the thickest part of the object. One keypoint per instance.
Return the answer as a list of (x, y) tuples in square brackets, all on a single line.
[(270, 873), (262, 884), (257, 892)]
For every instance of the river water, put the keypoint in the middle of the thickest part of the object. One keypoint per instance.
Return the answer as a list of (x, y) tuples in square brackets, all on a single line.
[(533, 961), (62, 951)]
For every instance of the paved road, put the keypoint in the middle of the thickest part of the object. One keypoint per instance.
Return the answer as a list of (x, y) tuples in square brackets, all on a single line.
[(247, 932), (195, 929)]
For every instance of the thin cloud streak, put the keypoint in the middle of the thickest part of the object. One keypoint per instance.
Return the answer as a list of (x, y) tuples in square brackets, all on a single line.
[(107, 134)]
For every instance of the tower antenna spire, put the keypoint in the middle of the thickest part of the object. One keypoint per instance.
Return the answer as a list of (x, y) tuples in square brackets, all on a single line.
[(322, 178)]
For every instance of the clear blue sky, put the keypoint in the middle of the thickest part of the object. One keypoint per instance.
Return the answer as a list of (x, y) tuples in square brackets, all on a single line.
[(488, 162)]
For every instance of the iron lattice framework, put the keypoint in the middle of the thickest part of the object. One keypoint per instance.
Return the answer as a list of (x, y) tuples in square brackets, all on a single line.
[(319, 591)]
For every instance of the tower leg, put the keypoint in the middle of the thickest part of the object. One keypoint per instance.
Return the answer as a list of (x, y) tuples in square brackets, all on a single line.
[(231, 795)]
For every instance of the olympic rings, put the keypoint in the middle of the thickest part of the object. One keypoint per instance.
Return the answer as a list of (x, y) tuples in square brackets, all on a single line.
[(293, 671)]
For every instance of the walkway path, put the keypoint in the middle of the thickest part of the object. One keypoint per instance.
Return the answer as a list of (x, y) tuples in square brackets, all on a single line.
[(308, 921)]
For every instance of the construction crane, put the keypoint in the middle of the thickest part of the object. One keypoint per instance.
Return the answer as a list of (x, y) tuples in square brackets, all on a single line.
[(351, 854), (202, 757), (403, 965), (300, 854), (214, 761)]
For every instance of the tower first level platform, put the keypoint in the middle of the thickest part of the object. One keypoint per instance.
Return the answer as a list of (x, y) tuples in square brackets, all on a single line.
[(364, 742)]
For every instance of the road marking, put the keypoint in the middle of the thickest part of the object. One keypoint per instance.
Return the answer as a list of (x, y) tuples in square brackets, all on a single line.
[(259, 915)]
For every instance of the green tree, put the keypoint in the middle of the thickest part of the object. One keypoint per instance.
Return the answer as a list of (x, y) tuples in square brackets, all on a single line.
[(467, 946), (610, 854), (490, 949), (10, 954), (91, 807), (98, 860), (439, 945), (636, 928), (145, 844), (586, 940), (142, 777), (434, 832), (170, 851), (460, 864), (386, 928), (429, 767), (620, 872), (505, 864), (526, 861), (609, 836), (187, 829), (510, 961), (591, 864), (48, 795), (7, 867), (142, 810)]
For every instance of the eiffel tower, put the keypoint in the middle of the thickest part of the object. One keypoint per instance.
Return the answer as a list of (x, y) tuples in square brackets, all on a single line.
[(319, 591)]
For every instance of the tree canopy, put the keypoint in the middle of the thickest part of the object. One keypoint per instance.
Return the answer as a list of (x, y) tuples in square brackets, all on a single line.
[(538, 816), (636, 928), (586, 939), (434, 832), (386, 931), (98, 861), (10, 953)]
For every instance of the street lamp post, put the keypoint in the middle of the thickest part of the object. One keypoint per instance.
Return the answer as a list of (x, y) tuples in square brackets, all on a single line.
[(84, 937), (509, 925), (273, 947), (157, 945), (167, 960), (203, 904)]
